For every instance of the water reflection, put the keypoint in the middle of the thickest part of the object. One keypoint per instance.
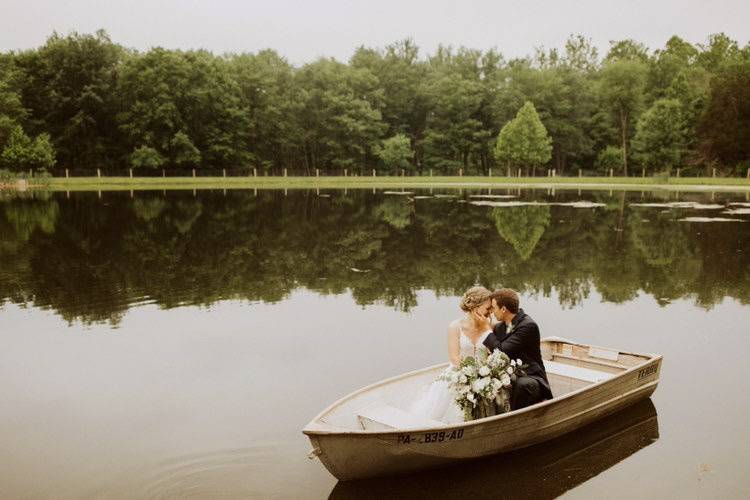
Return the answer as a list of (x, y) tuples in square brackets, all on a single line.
[(90, 258), (543, 471)]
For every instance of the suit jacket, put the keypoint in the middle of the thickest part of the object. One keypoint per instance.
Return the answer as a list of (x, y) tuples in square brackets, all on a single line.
[(522, 342)]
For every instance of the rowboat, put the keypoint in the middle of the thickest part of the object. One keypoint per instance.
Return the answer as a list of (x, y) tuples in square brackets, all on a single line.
[(371, 433), (545, 470)]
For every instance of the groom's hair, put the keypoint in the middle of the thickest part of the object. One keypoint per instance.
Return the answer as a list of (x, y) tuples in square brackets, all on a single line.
[(508, 298)]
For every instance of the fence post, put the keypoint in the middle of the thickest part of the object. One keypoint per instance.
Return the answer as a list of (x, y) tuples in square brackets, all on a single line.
[(402, 172), (519, 172), (580, 173), (678, 172), (66, 173), (554, 172), (255, 172), (748, 173), (285, 173), (317, 172), (460, 172), (224, 172), (131, 172), (193, 172), (345, 172), (611, 172), (714, 173), (98, 172), (163, 173), (373, 172), (643, 172), (489, 173)]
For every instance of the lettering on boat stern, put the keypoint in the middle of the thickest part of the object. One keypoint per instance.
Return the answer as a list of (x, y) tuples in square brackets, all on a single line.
[(431, 437), (645, 372)]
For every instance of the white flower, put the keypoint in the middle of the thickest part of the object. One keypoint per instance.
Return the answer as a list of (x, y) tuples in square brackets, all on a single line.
[(484, 371), (519, 362), (471, 398), (497, 359), (513, 363), (509, 370), (463, 379), (496, 384), (505, 379), (479, 384)]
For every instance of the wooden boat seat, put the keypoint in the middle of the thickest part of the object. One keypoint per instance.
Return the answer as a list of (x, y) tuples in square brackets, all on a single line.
[(380, 416), (576, 372)]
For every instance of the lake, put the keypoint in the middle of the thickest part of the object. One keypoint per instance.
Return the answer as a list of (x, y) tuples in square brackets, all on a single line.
[(173, 344)]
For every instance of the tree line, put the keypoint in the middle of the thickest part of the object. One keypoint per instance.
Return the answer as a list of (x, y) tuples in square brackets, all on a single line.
[(81, 102)]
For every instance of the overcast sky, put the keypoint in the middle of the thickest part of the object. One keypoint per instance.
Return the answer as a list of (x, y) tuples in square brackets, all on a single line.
[(302, 30)]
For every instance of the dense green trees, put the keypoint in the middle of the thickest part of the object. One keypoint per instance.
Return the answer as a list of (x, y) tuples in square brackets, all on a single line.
[(69, 89), (103, 106), (659, 141)]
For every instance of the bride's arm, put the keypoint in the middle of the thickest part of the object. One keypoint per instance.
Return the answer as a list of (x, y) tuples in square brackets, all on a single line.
[(454, 347)]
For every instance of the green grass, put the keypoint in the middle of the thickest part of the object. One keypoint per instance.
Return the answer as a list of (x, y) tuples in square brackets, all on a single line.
[(159, 183)]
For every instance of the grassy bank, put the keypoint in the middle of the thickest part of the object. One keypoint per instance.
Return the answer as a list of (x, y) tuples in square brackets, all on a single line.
[(158, 183)]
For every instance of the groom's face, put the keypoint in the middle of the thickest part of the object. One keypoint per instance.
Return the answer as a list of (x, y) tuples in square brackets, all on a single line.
[(497, 311)]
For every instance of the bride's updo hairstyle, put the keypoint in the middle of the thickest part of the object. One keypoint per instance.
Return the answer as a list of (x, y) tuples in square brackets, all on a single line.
[(474, 297)]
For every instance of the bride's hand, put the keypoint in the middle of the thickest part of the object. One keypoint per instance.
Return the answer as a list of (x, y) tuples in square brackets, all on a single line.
[(482, 323)]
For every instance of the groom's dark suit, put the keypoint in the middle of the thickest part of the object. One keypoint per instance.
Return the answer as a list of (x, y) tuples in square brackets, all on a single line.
[(523, 342)]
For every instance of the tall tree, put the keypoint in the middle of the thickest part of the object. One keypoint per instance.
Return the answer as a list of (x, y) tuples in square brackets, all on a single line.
[(455, 132), (659, 141), (621, 88), (524, 140)]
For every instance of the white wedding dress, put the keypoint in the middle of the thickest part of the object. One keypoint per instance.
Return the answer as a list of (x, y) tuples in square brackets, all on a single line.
[(437, 401)]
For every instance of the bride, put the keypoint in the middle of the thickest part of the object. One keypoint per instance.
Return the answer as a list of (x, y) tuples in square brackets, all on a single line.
[(465, 337)]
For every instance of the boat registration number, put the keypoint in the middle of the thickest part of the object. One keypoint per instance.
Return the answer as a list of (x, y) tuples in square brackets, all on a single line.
[(431, 437), (645, 372)]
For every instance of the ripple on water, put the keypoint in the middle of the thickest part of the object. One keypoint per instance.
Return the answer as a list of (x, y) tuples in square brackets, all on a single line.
[(223, 472), (256, 471)]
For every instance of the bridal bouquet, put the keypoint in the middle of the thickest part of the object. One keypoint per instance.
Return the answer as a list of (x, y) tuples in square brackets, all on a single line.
[(482, 384)]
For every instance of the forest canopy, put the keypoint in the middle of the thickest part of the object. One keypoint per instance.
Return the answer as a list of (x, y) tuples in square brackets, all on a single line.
[(81, 102)]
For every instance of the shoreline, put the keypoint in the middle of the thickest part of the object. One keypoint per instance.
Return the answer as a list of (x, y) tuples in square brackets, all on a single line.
[(698, 184)]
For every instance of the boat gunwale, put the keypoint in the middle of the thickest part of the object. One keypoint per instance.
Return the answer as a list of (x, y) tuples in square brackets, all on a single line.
[(315, 422)]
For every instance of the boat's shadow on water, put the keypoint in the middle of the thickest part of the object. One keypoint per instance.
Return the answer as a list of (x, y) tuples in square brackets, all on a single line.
[(546, 470)]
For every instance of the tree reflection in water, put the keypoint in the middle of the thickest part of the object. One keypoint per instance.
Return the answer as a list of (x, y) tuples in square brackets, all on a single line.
[(91, 258)]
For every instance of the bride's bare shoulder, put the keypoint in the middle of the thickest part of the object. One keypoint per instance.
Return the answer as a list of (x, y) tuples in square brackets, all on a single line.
[(455, 326)]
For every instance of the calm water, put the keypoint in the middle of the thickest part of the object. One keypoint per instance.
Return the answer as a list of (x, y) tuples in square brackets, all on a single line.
[(174, 344)]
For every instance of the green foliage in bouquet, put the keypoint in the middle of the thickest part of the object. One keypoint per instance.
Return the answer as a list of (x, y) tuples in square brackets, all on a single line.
[(483, 384)]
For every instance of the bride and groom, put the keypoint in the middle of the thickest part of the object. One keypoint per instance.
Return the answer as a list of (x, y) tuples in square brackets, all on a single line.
[(512, 332)]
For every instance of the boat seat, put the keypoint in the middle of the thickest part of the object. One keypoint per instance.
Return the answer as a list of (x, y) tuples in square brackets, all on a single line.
[(576, 372), (381, 416)]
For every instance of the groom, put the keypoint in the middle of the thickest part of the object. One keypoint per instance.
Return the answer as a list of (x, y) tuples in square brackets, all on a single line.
[(517, 335)]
